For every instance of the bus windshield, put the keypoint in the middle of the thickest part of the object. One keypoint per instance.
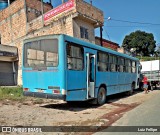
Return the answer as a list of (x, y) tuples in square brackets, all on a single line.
[(41, 53)]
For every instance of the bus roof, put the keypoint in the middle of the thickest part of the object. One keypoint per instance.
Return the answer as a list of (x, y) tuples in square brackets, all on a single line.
[(97, 47), (84, 43)]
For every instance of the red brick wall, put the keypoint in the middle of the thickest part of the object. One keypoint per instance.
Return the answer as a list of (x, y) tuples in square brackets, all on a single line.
[(18, 23), (107, 44), (34, 9), (5, 32), (13, 22), (110, 45), (12, 9)]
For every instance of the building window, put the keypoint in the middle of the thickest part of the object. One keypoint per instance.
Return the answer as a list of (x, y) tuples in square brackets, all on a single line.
[(84, 32)]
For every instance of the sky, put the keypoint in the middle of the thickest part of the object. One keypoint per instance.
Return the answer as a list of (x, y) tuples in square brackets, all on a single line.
[(142, 11)]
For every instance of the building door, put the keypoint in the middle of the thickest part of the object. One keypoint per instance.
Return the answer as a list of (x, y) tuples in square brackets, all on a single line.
[(91, 66), (6, 74)]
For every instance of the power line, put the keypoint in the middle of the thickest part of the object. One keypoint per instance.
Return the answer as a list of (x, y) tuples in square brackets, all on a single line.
[(121, 26), (110, 19), (107, 34)]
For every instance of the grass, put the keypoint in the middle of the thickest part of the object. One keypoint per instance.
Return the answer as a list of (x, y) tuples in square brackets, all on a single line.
[(38, 101), (11, 93), (16, 94)]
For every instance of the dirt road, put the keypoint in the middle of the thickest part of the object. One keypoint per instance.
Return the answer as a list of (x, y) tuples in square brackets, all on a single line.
[(44, 112)]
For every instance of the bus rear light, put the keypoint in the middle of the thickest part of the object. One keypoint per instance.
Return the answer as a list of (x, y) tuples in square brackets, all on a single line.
[(56, 91), (25, 89)]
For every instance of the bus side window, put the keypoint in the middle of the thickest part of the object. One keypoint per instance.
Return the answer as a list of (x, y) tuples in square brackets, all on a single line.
[(75, 57), (118, 64), (133, 67), (110, 62), (113, 63), (129, 66), (126, 65), (102, 61), (69, 63), (122, 65)]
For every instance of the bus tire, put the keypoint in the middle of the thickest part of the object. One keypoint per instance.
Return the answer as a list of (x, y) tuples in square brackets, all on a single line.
[(101, 96), (132, 89), (70, 102)]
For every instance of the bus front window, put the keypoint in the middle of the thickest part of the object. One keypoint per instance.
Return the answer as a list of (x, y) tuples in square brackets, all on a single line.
[(42, 53)]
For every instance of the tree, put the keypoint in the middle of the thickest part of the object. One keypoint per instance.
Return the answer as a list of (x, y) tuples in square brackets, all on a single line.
[(142, 41)]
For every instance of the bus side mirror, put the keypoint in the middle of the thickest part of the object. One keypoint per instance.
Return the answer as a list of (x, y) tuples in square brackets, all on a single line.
[(140, 68)]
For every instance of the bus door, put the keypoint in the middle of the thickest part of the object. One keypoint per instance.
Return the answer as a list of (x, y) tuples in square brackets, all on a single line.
[(91, 69)]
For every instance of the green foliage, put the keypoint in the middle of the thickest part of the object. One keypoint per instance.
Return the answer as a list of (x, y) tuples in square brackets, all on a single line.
[(142, 41), (147, 58), (14, 93)]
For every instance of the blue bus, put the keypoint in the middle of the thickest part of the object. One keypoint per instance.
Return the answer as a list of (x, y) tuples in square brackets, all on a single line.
[(67, 68)]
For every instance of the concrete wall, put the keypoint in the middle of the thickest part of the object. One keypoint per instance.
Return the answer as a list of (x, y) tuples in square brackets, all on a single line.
[(89, 11), (14, 27), (13, 22), (76, 29)]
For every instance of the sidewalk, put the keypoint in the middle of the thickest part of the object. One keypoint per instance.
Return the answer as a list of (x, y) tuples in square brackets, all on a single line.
[(146, 114)]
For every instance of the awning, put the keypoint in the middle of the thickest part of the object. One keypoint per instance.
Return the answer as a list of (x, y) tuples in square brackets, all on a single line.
[(8, 53)]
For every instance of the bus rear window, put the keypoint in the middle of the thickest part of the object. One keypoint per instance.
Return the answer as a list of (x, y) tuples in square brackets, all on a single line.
[(42, 53)]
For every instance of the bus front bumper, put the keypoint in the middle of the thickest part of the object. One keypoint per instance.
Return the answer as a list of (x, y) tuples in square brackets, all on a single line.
[(44, 95)]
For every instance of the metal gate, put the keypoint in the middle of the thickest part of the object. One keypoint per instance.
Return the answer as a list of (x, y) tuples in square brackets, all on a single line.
[(6, 74)]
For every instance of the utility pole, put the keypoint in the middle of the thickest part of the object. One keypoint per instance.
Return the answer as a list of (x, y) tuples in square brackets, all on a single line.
[(42, 10), (101, 35), (91, 2), (8, 2)]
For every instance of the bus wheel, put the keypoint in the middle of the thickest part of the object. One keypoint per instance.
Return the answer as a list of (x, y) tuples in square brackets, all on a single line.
[(132, 89), (101, 97)]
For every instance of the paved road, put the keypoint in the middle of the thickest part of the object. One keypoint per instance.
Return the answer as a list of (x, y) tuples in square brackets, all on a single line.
[(146, 114)]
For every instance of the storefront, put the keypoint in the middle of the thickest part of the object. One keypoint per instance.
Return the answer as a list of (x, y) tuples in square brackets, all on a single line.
[(8, 65)]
